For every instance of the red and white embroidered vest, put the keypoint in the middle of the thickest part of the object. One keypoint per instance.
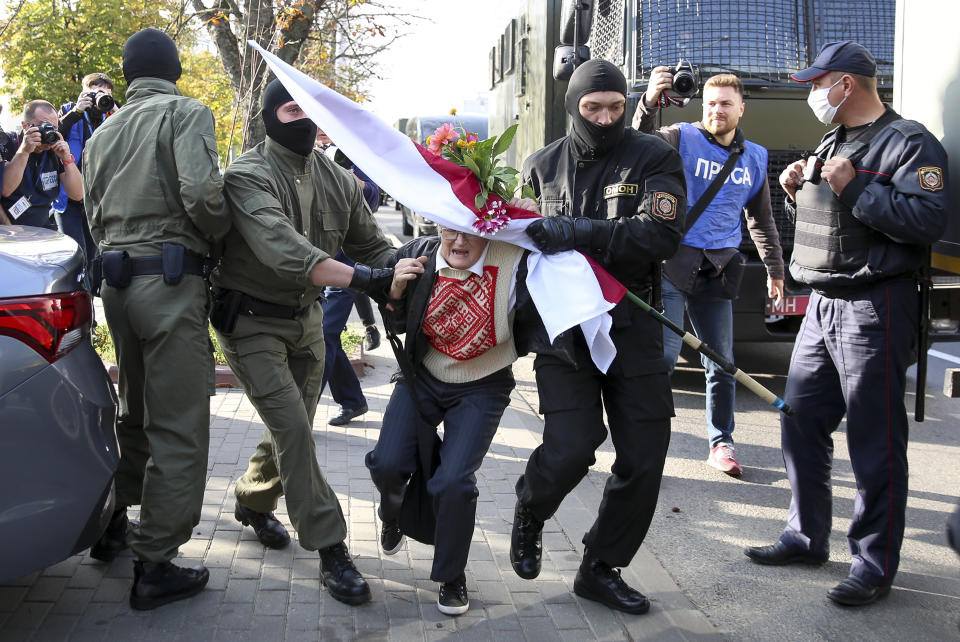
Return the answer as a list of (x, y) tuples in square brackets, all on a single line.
[(467, 320)]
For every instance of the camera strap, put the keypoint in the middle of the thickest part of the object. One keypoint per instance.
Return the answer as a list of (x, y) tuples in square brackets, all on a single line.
[(665, 101), (694, 212)]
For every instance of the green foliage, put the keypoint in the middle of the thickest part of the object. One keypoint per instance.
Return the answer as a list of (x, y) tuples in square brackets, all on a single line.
[(103, 343), (204, 79), (218, 357), (351, 339), (482, 157), (52, 44)]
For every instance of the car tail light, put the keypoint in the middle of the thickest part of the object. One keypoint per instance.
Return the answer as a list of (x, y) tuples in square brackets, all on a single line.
[(52, 324)]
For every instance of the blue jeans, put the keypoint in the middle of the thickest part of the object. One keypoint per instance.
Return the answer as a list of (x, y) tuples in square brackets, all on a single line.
[(337, 371), (712, 320)]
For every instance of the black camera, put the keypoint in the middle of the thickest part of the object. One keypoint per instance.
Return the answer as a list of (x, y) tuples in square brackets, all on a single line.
[(811, 173), (102, 101), (685, 79), (48, 133)]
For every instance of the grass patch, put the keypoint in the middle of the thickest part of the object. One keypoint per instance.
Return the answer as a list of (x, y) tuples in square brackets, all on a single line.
[(103, 344), (351, 339)]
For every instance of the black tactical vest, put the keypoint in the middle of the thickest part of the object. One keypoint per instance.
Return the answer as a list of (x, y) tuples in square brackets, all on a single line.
[(828, 237)]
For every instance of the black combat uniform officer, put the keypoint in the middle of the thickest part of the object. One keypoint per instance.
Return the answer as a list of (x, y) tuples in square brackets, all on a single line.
[(618, 196)]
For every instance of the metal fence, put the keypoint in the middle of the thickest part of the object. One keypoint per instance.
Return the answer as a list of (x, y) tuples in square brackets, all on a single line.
[(764, 40)]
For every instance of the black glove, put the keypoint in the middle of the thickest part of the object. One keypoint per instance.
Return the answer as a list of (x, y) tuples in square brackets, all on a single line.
[(374, 282), (552, 234), (558, 233)]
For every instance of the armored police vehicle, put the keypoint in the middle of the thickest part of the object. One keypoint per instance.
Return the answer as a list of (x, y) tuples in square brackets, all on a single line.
[(762, 41)]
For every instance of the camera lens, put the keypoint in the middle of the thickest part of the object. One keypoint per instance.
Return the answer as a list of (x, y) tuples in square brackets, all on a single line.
[(104, 102), (684, 83), (48, 133)]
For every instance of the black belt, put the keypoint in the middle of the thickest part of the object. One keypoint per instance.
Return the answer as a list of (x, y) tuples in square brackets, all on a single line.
[(141, 265), (252, 306)]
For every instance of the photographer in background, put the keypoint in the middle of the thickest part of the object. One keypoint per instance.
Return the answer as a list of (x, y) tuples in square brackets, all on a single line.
[(725, 175), (9, 142), (78, 121), (43, 162)]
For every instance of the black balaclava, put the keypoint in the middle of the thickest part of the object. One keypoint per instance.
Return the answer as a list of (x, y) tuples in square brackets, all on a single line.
[(589, 139), (299, 135), (151, 53)]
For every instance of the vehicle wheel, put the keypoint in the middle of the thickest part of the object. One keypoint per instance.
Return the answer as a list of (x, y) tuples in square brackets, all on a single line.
[(406, 226)]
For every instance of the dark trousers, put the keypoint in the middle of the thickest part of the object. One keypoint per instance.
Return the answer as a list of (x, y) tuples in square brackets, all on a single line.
[(639, 408), (470, 413), (364, 309), (73, 222), (851, 357), (337, 371)]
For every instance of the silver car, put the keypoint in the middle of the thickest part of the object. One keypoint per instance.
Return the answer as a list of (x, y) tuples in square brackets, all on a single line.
[(57, 406)]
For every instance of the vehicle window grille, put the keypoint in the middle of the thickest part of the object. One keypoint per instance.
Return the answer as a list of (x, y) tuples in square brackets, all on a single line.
[(785, 225), (869, 22), (764, 40), (607, 32)]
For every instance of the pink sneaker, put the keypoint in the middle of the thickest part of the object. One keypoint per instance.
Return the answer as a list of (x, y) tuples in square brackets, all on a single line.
[(721, 457)]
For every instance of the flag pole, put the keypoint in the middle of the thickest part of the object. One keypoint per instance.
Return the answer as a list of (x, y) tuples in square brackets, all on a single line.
[(749, 382)]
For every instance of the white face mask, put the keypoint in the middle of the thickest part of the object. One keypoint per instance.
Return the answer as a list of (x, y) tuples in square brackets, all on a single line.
[(820, 103)]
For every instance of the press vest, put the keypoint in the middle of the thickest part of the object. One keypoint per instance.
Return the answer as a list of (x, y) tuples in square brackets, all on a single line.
[(719, 225), (76, 138), (40, 185)]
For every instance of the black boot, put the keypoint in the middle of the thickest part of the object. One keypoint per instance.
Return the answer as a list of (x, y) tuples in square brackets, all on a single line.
[(526, 548), (159, 583), (114, 538), (268, 528), (341, 577), (597, 581)]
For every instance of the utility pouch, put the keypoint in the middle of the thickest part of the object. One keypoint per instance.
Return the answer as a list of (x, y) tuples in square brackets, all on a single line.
[(117, 269), (732, 275), (724, 283), (225, 310), (172, 262)]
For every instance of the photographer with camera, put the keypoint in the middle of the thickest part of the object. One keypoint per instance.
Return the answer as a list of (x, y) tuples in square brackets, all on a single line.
[(43, 162), (725, 175), (78, 121)]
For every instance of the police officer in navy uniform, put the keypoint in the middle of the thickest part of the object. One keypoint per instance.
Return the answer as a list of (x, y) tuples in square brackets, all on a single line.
[(618, 196), (863, 227)]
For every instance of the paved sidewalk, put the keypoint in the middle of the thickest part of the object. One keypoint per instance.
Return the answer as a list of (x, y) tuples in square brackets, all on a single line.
[(267, 595)]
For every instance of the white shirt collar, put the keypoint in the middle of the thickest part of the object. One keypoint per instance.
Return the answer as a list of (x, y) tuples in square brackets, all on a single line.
[(476, 268)]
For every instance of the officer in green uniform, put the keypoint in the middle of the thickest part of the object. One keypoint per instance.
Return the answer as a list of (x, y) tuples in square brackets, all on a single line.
[(292, 210), (154, 200)]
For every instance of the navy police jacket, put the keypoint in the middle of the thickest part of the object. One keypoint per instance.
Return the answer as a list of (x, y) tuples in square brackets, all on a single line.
[(879, 226)]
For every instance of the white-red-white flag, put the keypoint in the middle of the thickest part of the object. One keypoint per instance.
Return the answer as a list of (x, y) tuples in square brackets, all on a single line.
[(567, 288)]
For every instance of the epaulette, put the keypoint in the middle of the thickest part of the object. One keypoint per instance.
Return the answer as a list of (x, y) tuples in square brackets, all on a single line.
[(908, 128)]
